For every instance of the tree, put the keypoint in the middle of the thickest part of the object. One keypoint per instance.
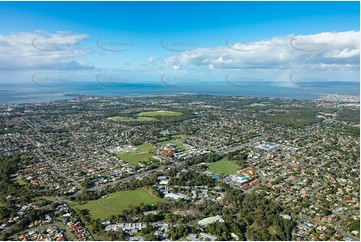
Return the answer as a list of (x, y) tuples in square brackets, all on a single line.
[(151, 237), (88, 182)]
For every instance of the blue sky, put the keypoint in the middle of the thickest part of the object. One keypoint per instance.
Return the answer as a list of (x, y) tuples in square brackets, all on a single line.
[(181, 39)]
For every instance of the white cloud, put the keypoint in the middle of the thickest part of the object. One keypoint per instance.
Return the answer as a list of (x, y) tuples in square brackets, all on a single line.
[(343, 53), (40, 50), (323, 50), (152, 59)]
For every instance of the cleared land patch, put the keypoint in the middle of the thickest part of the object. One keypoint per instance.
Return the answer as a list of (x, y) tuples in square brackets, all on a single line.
[(142, 154), (224, 167), (159, 113), (131, 119), (116, 202), (178, 144), (19, 180), (173, 140)]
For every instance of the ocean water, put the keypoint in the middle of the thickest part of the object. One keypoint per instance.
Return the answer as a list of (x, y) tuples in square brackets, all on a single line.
[(32, 92)]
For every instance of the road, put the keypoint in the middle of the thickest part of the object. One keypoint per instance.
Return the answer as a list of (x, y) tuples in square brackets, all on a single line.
[(46, 159), (343, 217), (99, 187), (175, 164), (303, 216)]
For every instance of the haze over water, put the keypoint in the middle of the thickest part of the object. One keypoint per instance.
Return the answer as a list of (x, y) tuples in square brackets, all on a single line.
[(34, 93)]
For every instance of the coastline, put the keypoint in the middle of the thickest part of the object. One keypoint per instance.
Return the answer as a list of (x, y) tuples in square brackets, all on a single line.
[(73, 96), (15, 94)]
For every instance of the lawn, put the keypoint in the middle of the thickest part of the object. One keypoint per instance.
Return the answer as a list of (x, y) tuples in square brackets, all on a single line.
[(163, 139), (224, 167), (176, 136), (116, 202), (19, 181), (140, 155), (159, 113), (174, 142), (52, 198), (130, 119)]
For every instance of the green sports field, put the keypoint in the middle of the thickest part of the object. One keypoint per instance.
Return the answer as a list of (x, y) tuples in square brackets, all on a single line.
[(18, 180), (140, 155), (224, 167), (174, 142), (116, 202), (177, 136), (130, 119), (159, 113)]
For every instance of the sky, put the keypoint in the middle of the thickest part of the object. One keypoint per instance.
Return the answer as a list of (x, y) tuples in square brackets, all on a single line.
[(286, 43)]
